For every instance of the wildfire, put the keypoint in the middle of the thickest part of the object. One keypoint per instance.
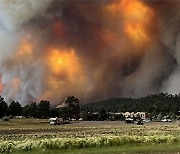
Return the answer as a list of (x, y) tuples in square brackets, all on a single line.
[(136, 17), (15, 84), (64, 63), (58, 29), (136, 33), (25, 48), (65, 73), (1, 86), (135, 10), (108, 36)]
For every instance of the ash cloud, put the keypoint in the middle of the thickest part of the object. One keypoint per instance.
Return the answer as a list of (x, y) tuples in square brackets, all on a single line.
[(108, 59)]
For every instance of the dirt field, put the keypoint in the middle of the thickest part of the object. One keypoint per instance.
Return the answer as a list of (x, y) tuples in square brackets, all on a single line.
[(40, 128), (44, 123), (32, 132), (117, 124)]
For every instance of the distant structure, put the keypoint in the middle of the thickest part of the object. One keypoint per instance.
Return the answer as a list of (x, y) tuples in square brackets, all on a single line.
[(142, 115)]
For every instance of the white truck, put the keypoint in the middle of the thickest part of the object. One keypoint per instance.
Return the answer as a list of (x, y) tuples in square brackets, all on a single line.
[(55, 121)]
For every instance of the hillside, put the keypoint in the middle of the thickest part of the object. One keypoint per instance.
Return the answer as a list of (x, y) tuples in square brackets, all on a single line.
[(163, 102)]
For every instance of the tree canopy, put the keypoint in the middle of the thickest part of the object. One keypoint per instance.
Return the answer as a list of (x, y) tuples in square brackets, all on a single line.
[(157, 103), (15, 108), (71, 108), (3, 107)]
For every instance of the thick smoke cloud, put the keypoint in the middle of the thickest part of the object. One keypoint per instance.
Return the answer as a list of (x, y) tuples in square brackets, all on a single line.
[(94, 50), (15, 13)]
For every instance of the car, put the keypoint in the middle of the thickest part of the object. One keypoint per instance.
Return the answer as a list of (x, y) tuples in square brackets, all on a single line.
[(166, 120), (129, 121), (146, 120), (169, 120), (55, 121)]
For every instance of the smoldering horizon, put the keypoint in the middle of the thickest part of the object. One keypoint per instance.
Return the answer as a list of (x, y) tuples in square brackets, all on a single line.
[(94, 50)]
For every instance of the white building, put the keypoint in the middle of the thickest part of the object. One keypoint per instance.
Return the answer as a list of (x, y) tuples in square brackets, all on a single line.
[(142, 115)]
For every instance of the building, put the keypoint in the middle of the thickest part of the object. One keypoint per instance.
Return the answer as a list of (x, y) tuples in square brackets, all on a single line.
[(142, 115)]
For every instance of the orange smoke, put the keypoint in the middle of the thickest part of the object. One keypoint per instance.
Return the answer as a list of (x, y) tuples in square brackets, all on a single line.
[(135, 10), (25, 48), (137, 15), (136, 18), (64, 63), (137, 33), (66, 73), (16, 83), (1, 86), (105, 36)]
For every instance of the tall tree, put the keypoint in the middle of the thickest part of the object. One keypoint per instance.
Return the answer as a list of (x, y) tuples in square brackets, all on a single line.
[(15, 109), (54, 113), (102, 115), (30, 110), (71, 108), (43, 109), (3, 107)]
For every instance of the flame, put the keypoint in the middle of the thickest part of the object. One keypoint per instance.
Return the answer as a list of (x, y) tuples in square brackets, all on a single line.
[(64, 63), (136, 33), (66, 73), (136, 17), (135, 10)]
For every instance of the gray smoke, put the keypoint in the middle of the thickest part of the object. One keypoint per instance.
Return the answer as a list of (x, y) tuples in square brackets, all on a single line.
[(50, 49)]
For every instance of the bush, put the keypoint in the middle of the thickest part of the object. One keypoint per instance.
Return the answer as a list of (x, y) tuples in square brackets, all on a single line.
[(73, 143)]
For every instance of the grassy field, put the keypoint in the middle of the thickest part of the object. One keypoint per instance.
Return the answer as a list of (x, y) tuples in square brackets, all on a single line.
[(145, 149), (38, 136)]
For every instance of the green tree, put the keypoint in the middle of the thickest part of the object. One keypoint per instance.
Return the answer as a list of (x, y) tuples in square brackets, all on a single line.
[(3, 107), (71, 108), (30, 110), (102, 115), (54, 113), (15, 109), (43, 109)]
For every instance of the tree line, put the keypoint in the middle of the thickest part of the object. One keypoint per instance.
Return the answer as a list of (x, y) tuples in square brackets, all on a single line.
[(43, 109), (162, 103)]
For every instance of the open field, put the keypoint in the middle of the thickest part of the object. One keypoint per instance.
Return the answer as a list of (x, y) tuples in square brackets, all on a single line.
[(24, 123), (145, 149), (33, 134)]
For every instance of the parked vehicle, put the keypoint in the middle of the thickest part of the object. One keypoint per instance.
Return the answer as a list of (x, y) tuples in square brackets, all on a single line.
[(166, 120), (146, 120), (129, 121), (55, 121)]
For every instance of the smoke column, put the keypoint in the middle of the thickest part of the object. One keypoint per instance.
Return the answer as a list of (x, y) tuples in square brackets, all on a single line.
[(94, 50)]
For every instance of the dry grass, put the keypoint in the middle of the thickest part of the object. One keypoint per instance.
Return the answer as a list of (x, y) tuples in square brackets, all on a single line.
[(35, 128)]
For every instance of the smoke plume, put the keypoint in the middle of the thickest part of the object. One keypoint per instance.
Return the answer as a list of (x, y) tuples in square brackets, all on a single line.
[(94, 50)]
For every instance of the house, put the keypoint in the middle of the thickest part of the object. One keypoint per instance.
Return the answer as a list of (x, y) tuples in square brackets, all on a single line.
[(142, 115)]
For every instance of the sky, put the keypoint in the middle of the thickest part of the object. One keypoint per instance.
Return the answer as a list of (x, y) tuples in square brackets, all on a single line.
[(93, 50)]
